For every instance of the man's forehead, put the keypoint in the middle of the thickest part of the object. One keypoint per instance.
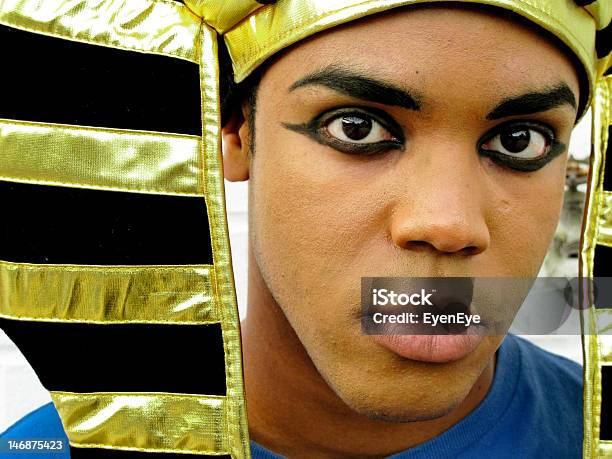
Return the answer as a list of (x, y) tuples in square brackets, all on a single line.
[(387, 47), (436, 25)]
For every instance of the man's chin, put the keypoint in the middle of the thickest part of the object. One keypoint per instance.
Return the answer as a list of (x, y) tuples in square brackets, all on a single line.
[(405, 414)]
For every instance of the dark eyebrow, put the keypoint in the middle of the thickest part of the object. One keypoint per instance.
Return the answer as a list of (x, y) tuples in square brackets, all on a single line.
[(534, 102), (358, 86)]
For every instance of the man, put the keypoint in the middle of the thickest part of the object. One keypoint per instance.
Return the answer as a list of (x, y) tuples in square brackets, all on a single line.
[(401, 145), (372, 157)]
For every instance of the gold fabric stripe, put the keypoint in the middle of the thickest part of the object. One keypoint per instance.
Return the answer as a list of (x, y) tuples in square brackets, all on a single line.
[(108, 294), (237, 427), (605, 449), (604, 236), (604, 64), (84, 157), (151, 422), (152, 26)]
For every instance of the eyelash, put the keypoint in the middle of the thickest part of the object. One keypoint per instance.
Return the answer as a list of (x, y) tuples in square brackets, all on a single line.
[(315, 130), (555, 147)]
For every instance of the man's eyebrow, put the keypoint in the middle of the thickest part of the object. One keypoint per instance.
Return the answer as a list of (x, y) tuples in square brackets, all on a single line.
[(358, 86), (534, 102)]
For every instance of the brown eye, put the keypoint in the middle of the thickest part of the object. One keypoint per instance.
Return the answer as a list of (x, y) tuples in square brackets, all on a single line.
[(519, 142), (515, 141), (357, 128)]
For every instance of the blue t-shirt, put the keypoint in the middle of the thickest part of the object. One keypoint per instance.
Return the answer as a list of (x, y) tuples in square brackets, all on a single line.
[(533, 410)]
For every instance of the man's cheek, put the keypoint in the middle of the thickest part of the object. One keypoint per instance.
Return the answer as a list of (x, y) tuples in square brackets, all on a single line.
[(523, 238)]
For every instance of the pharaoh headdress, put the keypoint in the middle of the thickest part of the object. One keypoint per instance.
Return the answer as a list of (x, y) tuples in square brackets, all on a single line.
[(116, 274)]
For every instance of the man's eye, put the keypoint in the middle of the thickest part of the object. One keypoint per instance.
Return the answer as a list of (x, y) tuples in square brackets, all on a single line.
[(524, 146), (354, 130), (519, 142), (357, 128)]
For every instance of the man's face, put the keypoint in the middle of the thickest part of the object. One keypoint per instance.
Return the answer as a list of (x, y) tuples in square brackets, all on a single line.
[(402, 145)]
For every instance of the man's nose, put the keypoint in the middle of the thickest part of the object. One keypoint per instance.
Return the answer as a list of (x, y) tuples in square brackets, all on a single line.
[(443, 207)]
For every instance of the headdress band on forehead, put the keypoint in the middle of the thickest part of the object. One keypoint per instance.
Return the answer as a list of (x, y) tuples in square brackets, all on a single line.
[(110, 141)]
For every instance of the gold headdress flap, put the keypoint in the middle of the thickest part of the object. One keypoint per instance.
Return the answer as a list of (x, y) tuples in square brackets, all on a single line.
[(115, 273), (596, 262)]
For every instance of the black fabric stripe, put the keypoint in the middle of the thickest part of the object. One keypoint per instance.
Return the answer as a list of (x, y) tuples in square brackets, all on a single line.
[(94, 453), (603, 41), (605, 432), (584, 2), (607, 183), (60, 81), (45, 224), (602, 263), (77, 357)]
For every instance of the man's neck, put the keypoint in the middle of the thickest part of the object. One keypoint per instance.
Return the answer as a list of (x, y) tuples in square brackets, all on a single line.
[(293, 411)]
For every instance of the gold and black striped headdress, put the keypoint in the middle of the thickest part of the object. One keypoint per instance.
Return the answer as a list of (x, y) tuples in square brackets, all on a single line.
[(116, 274)]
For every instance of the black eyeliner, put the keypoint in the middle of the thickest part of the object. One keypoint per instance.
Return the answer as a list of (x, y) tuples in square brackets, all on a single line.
[(313, 130), (524, 165)]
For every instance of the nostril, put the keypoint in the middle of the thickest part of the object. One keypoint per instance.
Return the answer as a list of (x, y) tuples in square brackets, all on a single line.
[(471, 250), (419, 245)]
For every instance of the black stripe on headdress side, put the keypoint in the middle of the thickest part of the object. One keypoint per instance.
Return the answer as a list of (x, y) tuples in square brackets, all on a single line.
[(602, 263), (603, 41), (56, 80), (605, 425), (61, 225), (584, 2), (83, 357)]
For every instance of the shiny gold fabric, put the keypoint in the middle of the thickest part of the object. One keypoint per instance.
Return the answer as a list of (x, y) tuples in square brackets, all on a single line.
[(601, 11), (108, 294), (99, 158), (158, 27), (237, 429), (136, 162), (222, 16), (596, 318), (153, 422)]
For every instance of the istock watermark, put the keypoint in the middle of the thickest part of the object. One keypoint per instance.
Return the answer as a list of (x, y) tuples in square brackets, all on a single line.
[(382, 297), (485, 305)]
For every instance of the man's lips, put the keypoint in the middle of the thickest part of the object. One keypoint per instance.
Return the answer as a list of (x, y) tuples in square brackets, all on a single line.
[(426, 343), (430, 348), (421, 341)]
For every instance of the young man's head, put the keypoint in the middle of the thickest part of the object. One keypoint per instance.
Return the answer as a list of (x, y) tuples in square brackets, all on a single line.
[(425, 141)]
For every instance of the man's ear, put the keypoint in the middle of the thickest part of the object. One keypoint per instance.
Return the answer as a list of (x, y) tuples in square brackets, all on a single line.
[(236, 147)]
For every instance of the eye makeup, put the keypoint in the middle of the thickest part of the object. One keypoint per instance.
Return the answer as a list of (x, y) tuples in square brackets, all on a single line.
[(554, 146), (317, 130)]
